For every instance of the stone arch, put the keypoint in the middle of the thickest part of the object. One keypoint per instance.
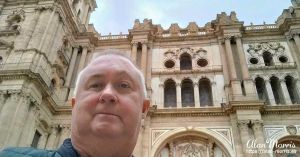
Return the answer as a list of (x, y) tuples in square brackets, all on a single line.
[(185, 61), (205, 92), (197, 132), (170, 99), (187, 93), (277, 91), (291, 85), (261, 89), (268, 58)]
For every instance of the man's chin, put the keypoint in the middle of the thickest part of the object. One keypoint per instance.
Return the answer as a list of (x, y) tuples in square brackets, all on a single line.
[(107, 130)]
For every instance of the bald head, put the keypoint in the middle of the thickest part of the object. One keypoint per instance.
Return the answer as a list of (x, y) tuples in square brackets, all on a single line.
[(106, 55)]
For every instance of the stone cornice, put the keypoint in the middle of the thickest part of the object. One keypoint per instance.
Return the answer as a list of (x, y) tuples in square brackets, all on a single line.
[(186, 112), (244, 105), (289, 109)]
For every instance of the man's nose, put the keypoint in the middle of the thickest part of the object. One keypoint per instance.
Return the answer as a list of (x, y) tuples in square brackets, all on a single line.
[(108, 95)]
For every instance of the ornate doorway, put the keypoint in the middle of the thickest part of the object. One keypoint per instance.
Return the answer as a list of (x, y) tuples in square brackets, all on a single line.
[(191, 146)]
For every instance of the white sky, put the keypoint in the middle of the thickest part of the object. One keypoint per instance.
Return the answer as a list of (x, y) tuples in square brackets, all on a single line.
[(117, 16)]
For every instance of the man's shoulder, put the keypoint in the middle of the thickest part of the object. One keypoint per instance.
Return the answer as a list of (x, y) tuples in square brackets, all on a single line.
[(28, 152)]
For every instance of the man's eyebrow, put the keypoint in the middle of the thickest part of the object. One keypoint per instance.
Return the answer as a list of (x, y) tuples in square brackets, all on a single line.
[(125, 74), (94, 76)]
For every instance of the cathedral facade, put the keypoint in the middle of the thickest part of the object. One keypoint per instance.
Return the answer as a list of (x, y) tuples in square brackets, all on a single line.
[(220, 90)]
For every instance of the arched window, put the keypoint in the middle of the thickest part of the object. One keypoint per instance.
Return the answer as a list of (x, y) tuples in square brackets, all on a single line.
[(170, 94), (276, 88), (291, 86), (268, 59), (261, 89), (205, 92), (185, 62), (187, 93), (78, 13)]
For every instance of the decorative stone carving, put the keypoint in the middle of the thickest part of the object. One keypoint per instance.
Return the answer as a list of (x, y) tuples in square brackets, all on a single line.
[(174, 29), (160, 30), (296, 3), (225, 133), (224, 19), (146, 25), (275, 48), (156, 133), (13, 20), (291, 129), (192, 28), (272, 132)]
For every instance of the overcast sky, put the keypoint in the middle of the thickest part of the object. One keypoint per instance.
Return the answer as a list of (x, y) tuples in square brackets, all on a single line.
[(117, 16)]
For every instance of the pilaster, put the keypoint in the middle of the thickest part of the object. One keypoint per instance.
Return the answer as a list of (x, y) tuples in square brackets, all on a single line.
[(7, 116), (196, 94), (178, 95), (270, 93), (64, 134), (52, 140), (259, 136), (82, 59), (244, 133), (134, 51), (161, 101), (285, 92), (71, 66), (19, 120)]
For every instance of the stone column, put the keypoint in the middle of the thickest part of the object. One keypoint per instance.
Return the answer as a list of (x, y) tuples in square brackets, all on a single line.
[(285, 92), (270, 93), (161, 101), (148, 72), (171, 145), (211, 148), (64, 134), (244, 133), (82, 59), (134, 51), (144, 58), (85, 14), (297, 83), (230, 59), (52, 138), (235, 84), (39, 29), (297, 41), (48, 30), (42, 141), (259, 136), (213, 92), (2, 100), (29, 129), (196, 94), (225, 70), (22, 42), (50, 35), (71, 67), (178, 95), (18, 122), (245, 72), (7, 116)]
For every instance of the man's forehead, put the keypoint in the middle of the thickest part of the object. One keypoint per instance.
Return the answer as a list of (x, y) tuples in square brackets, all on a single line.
[(109, 61)]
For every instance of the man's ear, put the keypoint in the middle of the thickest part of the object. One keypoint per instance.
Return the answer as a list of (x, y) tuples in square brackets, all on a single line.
[(146, 105), (73, 102)]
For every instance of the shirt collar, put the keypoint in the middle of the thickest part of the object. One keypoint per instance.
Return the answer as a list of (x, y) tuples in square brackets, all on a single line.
[(67, 149)]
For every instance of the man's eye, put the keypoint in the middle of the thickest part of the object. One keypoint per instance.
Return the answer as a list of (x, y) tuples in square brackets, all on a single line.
[(94, 86), (124, 85)]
